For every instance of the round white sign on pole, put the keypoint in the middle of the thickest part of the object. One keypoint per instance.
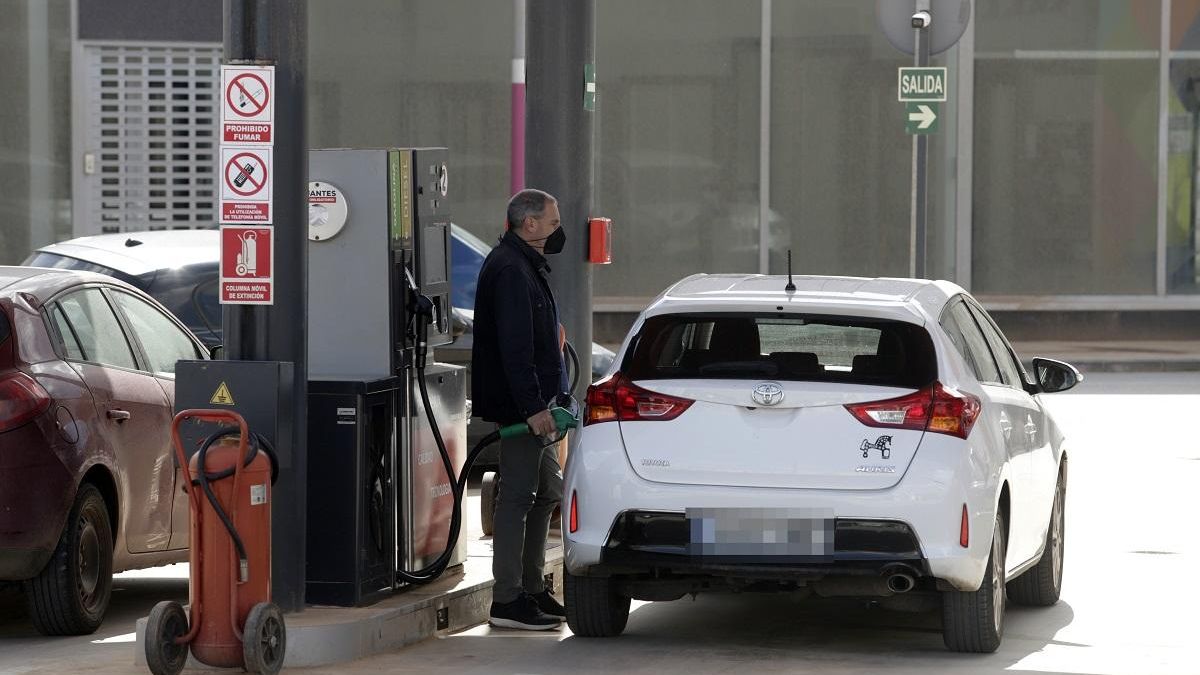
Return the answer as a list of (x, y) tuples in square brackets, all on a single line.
[(950, 19), (327, 211)]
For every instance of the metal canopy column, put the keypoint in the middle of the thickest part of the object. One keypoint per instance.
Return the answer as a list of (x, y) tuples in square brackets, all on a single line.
[(560, 44), (275, 31)]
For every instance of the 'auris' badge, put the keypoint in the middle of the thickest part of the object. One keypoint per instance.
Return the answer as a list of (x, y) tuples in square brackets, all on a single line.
[(768, 393)]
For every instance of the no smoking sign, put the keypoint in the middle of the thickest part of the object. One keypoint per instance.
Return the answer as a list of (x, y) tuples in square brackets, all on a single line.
[(247, 104), (245, 184)]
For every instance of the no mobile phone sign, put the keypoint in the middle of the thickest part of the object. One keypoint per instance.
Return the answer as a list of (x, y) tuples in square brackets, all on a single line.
[(245, 184)]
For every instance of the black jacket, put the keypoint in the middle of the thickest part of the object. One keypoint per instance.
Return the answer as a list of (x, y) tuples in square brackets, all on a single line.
[(516, 362)]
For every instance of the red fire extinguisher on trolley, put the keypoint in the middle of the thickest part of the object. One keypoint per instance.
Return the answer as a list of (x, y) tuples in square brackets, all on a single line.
[(233, 622)]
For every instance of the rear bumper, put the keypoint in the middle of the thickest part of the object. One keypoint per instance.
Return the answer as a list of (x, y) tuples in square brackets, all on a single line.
[(35, 495), (942, 478), (660, 543)]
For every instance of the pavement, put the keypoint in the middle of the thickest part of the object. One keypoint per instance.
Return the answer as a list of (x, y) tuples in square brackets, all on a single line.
[(460, 599), (317, 637), (1113, 356)]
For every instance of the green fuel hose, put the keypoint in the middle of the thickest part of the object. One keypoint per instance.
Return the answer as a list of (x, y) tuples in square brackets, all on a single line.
[(564, 419)]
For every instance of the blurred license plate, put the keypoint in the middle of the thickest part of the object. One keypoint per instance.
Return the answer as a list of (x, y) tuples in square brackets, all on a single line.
[(801, 534)]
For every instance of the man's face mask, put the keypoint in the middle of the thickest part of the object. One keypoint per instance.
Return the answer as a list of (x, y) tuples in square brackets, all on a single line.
[(555, 242)]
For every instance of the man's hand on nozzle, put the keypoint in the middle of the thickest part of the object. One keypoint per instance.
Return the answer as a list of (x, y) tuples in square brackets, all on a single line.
[(542, 424)]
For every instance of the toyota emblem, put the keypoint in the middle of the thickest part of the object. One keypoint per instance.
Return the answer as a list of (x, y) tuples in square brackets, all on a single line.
[(768, 393)]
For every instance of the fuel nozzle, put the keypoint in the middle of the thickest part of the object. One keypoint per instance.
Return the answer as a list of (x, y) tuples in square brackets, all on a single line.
[(565, 411), (421, 307)]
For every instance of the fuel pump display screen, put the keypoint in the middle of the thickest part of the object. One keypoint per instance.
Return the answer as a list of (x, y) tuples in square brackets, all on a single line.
[(435, 259)]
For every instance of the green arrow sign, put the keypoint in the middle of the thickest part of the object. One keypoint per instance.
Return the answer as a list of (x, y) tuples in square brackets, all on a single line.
[(921, 84), (921, 118)]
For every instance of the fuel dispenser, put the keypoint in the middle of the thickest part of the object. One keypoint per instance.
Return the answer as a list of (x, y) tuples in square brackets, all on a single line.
[(387, 431), (380, 497)]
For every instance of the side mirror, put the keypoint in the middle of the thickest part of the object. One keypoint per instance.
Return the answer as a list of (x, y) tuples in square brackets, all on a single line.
[(1055, 376), (216, 352)]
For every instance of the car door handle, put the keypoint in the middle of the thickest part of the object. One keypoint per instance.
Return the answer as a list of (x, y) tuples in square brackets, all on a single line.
[(118, 415)]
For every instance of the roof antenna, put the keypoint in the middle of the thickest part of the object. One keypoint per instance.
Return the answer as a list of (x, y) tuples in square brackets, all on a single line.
[(790, 288)]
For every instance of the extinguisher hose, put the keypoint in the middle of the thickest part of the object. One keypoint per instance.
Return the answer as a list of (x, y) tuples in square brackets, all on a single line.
[(205, 479)]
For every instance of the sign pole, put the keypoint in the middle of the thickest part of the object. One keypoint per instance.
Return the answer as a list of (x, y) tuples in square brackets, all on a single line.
[(920, 165)]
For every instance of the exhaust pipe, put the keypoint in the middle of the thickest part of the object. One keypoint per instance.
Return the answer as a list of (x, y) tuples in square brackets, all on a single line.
[(901, 582), (900, 578), (894, 579)]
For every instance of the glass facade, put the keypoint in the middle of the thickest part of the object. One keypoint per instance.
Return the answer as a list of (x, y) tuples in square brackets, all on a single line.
[(1080, 136), (1066, 137), (1183, 147), (841, 164), (677, 141), (35, 125), (419, 73)]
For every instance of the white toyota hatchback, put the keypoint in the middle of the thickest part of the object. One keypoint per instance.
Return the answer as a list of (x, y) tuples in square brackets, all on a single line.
[(852, 437)]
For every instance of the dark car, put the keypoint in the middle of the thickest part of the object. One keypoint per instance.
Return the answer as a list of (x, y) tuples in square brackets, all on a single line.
[(87, 481), (179, 269)]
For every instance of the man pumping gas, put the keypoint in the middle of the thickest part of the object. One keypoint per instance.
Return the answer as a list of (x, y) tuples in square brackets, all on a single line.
[(517, 368)]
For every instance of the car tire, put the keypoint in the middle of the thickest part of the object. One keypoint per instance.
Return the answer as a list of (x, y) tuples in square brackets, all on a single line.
[(594, 607), (70, 595), (1041, 585), (973, 621)]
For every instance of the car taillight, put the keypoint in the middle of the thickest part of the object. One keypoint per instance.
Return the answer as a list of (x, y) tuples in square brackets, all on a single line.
[(573, 521), (21, 400), (617, 399), (934, 408)]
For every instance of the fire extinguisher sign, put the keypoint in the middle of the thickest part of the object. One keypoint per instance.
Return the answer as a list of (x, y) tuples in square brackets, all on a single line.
[(247, 262)]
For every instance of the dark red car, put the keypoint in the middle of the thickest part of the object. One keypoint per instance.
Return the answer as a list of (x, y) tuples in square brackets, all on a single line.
[(87, 478)]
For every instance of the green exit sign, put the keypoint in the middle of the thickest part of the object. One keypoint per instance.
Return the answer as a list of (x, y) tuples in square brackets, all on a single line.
[(921, 84)]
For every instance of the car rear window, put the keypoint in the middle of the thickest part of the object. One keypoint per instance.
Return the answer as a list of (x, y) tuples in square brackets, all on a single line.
[(782, 347), (63, 262)]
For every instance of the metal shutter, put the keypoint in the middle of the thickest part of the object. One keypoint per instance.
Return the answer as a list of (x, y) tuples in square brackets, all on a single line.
[(149, 135)]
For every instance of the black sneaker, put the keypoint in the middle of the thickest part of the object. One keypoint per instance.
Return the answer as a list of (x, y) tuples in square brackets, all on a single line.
[(522, 613), (546, 602)]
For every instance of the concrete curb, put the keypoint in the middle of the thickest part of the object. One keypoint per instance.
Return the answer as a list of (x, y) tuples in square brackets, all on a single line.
[(322, 636), (1138, 366)]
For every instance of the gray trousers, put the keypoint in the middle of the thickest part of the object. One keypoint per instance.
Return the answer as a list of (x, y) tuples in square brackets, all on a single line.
[(531, 485)]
